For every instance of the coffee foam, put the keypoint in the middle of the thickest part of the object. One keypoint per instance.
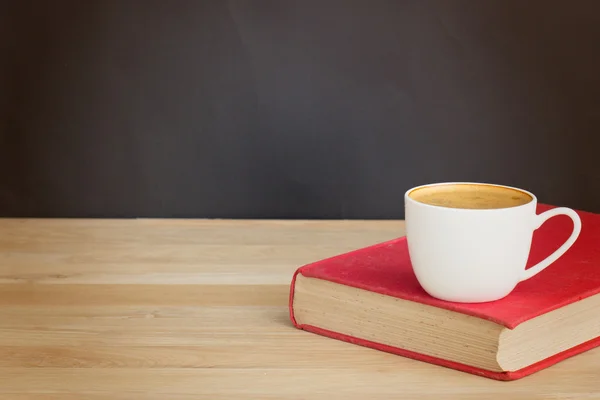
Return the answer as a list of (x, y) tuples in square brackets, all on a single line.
[(470, 196)]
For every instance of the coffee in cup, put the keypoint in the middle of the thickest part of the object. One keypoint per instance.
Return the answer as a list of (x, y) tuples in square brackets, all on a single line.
[(470, 242), (470, 196)]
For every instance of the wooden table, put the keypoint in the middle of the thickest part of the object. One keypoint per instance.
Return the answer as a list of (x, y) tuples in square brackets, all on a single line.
[(197, 309)]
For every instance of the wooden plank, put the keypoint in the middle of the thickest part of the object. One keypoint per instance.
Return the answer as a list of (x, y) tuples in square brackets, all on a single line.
[(143, 295), (419, 380)]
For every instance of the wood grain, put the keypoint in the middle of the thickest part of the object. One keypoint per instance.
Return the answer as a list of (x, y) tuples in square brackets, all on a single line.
[(197, 309)]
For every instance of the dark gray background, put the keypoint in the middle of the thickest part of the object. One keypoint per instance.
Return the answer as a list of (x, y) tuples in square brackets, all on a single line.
[(292, 109)]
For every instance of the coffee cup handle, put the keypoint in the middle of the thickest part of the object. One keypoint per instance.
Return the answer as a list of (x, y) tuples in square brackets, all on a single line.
[(540, 219)]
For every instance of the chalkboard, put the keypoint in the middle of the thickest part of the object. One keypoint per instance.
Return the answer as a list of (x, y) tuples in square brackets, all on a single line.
[(292, 109)]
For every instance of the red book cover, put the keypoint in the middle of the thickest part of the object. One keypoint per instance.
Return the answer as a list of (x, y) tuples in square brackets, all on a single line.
[(385, 268)]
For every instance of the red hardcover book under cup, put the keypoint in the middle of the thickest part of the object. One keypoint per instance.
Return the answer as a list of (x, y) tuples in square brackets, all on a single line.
[(371, 297)]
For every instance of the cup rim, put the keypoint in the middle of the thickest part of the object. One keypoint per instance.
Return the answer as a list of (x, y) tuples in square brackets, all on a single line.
[(407, 197)]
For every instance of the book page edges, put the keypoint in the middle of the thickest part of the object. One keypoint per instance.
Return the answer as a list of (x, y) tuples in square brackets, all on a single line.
[(501, 376)]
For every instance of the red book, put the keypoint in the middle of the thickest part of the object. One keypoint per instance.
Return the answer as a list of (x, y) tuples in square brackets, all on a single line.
[(371, 297)]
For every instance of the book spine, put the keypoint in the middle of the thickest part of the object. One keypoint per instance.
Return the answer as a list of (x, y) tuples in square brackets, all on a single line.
[(291, 298)]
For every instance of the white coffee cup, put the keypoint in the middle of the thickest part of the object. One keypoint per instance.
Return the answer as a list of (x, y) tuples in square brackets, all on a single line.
[(461, 252)]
